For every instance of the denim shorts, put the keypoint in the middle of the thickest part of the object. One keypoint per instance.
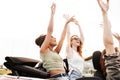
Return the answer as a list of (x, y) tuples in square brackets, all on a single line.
[(74, 75), (60, 78)]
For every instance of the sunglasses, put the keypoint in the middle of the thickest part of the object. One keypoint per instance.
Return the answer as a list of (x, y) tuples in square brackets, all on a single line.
[(75, 39)]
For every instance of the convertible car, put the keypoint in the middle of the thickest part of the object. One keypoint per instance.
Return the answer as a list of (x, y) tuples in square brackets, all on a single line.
[(31, 68), (27, 67)]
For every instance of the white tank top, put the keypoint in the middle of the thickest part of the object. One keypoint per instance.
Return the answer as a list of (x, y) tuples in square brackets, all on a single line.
[(76, 62)]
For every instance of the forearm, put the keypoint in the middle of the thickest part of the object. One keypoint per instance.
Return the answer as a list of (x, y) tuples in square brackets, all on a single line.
[(60, 43), (111, 58), (50, 26), (81, 34), (107, 35), (68, 39)]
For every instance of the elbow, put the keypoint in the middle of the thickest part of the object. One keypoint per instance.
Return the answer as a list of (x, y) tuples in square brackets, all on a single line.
[(108, 40), (108, 43)]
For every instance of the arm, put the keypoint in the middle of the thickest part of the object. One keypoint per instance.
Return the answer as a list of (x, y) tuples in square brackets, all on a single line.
[(60, 43), (68, 50), (107, 34), (117, 36), (111, 58), (68, 35), (66, 16), (49, 30), (80, 31)]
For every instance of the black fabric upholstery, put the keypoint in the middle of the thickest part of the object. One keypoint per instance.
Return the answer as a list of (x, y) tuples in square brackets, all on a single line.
[(40, 67), (66, 65), (22, 66)]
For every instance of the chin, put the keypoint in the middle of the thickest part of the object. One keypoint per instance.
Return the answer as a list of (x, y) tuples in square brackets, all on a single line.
[(55, 44)]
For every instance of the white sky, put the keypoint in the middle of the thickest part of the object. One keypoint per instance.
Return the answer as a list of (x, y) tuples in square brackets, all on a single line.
[(22, 21)]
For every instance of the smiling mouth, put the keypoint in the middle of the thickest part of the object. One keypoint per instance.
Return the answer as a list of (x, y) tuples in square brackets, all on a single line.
[(78, 42)]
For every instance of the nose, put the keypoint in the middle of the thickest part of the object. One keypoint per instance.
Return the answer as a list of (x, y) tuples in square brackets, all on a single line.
[(54, 37)]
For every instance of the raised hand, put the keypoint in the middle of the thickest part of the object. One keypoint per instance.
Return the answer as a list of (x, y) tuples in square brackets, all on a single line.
[(117, 36), (71, 19), (104, 6), (66, 16), (76, 22), (53, 8)]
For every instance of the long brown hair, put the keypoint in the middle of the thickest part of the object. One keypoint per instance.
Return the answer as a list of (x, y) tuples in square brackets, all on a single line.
[(40, 40)]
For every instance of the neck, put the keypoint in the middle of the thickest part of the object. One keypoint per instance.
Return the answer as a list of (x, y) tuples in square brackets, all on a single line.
[(74, 48)]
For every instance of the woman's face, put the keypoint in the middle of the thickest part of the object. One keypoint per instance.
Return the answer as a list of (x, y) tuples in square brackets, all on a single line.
[(53, 41), (75, 41)]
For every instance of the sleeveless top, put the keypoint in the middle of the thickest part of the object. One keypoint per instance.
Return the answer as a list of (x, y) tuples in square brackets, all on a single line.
[(52, 61), (75, 61)]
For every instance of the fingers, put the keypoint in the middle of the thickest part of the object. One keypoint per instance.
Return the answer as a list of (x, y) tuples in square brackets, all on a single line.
[(100, 4), (66, 16), (72, 18), (53, 5), (116, 35), (53, 8), (104, 6)]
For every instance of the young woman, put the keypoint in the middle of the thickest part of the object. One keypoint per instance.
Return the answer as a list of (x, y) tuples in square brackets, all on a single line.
[(112, 58), (49, 49), (74, 53)]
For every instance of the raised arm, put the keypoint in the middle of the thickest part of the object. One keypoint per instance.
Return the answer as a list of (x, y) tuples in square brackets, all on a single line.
[(66, 16), (60, 43), (117, 36), (80, 31), (49, 30), (107, 34), (112, 58)]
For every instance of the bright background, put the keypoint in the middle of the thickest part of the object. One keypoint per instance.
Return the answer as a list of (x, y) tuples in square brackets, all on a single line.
[(22, 21)]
